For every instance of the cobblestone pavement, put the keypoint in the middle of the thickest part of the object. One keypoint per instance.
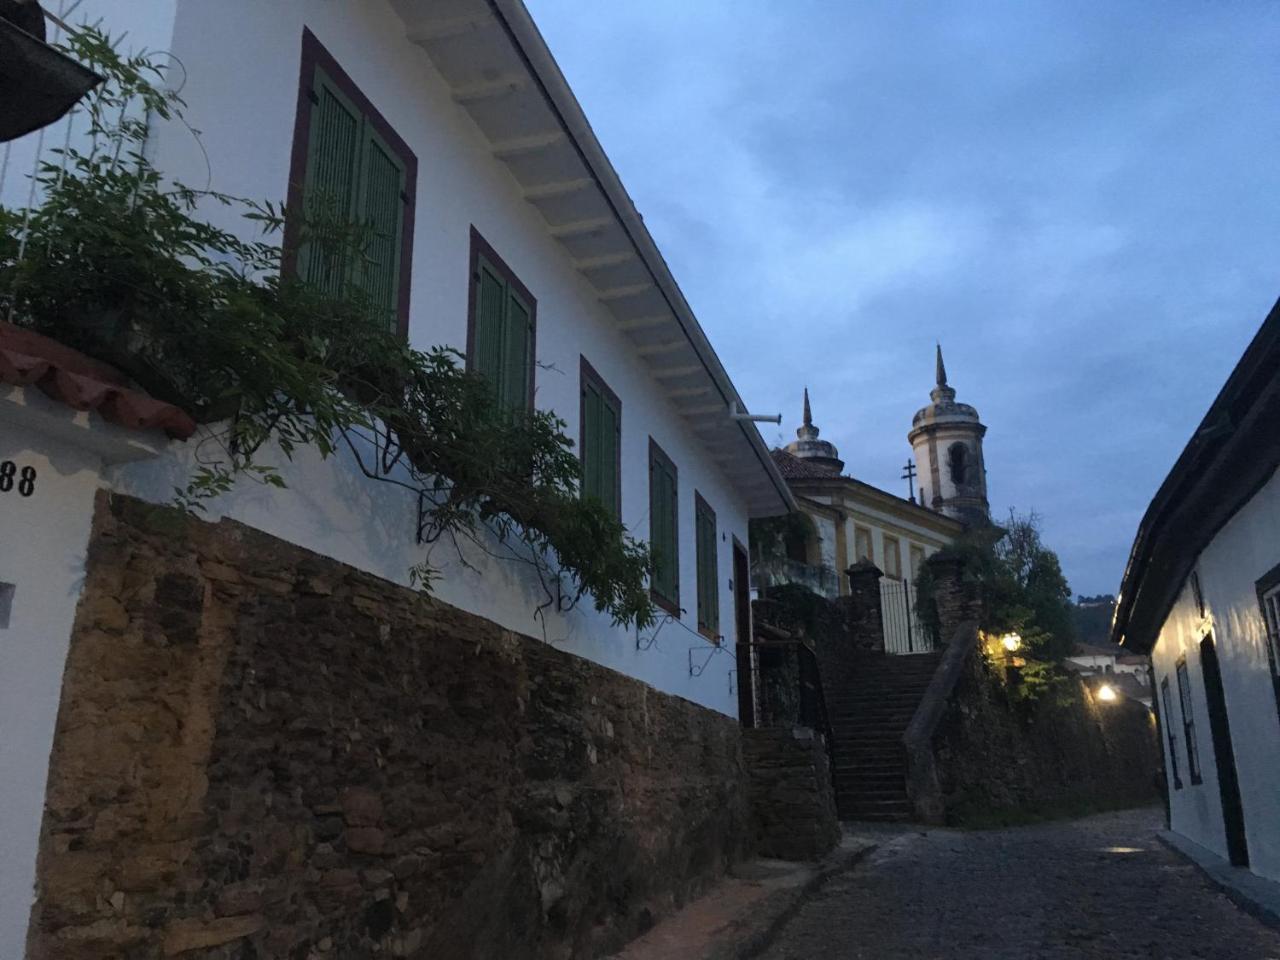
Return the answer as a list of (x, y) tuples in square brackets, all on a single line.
[(1099, 887)]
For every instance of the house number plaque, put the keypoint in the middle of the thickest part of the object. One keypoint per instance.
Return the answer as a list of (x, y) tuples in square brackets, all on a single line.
[(13, 477)]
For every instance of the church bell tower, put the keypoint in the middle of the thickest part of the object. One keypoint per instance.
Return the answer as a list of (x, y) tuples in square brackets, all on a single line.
[(946, 438)]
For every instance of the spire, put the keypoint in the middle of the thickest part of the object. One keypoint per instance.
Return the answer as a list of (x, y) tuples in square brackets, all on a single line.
[(942, 368), (807, 446)]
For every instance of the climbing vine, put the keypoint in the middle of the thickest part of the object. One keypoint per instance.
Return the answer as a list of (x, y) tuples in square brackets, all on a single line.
[(117, 261)]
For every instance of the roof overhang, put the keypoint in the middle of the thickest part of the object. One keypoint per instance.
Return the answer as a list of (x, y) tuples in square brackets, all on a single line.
[(503, 75), (1235, 450)]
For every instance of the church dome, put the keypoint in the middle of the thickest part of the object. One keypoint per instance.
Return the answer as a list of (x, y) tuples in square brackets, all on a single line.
[(814, 452)]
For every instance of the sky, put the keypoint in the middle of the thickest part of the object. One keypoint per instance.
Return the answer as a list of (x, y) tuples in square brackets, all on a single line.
[(1077, 199)]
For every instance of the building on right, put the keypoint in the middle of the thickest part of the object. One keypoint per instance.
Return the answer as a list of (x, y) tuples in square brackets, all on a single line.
[(1201, 596)]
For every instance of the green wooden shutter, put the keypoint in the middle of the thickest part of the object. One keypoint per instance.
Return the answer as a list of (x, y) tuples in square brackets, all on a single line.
[(610, 440), (491, 297), (382, 212), (591, 447), (708, 575), (518, 336), (663, 537), (333, 161)]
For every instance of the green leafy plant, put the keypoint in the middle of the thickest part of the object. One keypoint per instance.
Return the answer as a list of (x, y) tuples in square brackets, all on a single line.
[(117, 262)]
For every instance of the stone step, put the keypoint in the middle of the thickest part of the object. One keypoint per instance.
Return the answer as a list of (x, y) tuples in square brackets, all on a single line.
[(880, 810)]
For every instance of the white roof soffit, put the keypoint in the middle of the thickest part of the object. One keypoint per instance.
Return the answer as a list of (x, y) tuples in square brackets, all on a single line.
[(502, 73)]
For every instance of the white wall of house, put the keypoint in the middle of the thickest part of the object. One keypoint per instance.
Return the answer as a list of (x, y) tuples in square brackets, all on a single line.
[(1242, 552), (246, 116), (41, 569)]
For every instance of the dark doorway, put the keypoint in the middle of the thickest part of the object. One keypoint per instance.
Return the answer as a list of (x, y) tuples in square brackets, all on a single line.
[(1223, 754), (742, 634)]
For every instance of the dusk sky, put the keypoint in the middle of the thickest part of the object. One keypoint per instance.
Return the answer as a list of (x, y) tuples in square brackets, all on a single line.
[(1079, 200)]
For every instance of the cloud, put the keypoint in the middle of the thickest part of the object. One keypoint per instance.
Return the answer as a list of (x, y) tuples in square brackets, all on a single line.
[(1077, 200)]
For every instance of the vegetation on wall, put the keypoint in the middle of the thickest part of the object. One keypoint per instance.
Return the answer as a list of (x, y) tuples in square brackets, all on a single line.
[(117, 262), (1023, 588)]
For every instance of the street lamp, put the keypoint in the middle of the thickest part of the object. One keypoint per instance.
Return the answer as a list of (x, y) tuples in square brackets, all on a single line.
[(1011, 642), (1107, 693)]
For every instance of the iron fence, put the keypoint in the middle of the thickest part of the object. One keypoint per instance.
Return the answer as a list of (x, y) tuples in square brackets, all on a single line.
[(899, 610)]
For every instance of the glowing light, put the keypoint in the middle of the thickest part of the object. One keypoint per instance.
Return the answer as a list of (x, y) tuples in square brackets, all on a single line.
[(1011, 641), (1106, 693)]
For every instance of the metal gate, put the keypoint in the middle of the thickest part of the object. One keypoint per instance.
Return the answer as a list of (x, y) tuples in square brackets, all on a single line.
[(903, 632)]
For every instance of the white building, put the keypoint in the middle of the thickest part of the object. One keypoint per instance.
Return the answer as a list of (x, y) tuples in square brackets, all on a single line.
[(500, 175), (1201, 595)]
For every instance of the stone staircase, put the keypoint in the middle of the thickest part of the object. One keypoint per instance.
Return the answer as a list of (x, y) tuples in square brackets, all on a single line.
[(868, 713)]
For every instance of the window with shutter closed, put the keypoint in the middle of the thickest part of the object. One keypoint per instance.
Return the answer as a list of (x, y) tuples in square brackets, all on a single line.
[(663, 530), (356, 188), (501, 328), (708, 569), (601, 439)]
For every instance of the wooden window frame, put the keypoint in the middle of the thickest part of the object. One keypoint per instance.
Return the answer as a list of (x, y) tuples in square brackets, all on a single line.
[(1188, 720), (1166, 703), (700, 505), (588, 374), (670, 604), (1268, 590), (316, 56), (482, 250)]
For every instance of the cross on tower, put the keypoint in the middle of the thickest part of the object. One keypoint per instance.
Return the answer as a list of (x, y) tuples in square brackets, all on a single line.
[(909, 475)]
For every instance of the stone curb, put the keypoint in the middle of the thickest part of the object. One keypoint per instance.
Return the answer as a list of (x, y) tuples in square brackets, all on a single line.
[(769, 917), (1255, 896)]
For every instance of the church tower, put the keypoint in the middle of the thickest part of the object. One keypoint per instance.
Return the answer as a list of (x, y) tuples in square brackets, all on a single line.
[(807, 447), (946, 438)]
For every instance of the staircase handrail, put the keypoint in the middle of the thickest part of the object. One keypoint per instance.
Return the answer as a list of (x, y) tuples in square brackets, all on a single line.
[(923, 788)]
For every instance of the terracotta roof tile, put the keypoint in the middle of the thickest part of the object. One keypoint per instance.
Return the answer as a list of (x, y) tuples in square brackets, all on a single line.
[(793, 468), (68, 376)]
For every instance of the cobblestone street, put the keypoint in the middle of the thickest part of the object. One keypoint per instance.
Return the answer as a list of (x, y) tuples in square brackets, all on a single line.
[(1100, 887)]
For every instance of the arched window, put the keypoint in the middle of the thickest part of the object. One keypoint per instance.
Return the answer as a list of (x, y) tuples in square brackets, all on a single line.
[(958, 463)]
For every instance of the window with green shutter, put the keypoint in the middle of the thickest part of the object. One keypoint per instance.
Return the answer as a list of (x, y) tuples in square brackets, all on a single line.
[(664, 535), (600, 445), (501, 331), (708, 569), (350, 170)]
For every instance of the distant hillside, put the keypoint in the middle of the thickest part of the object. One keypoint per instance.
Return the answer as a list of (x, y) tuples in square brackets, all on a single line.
[(1092, 616)]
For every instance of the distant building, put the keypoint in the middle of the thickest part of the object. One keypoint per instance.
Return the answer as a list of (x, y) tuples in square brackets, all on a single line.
[(1201, 595), (1126, 674), (850, 521)]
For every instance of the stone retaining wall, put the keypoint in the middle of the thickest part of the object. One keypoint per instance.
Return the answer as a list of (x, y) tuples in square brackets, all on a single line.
[(999, 759), (792, 798), (262, 753)]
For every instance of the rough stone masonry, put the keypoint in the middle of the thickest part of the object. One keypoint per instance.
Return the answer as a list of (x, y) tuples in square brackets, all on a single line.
[(262, 753)]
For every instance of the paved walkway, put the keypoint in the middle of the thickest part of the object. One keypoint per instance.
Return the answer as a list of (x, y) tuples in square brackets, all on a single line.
[(1102, 887)]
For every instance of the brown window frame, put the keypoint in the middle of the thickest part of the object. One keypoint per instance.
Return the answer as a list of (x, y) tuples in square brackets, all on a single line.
[(588, 374), (700, 504), (670, 604), (480, 247), (1186, 706), (316, 55)]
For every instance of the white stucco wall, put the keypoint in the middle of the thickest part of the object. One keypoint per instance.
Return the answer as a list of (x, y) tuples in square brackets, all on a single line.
[(44, 538), (246, 116), (1243, 551)]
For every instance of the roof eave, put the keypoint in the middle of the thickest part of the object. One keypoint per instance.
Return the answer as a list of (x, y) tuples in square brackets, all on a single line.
[(537, 55)]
